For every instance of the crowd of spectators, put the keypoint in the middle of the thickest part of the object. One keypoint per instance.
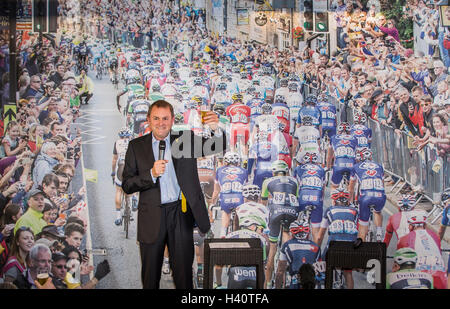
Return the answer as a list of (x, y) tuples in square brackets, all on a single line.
[(42, 215)]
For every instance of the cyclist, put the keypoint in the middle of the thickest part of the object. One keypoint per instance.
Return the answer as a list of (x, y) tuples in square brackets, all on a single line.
[(244, 277), (311, 110), (370, 176), (155, 94), (362, 133), (342, 153), (328, 112), (118, 163), (228, 187), (341, 220), (294, 101), (239, 115), (137, 114), (265, 124), (283, 207), (428, 247), (221, 95), (295, 252), (113, 63), (283, 90), (255, 104), (264, 153), (198, 89), (404, 274), (192, 115), (311, 176), (281, 110), (398, 222), (206, 167), (306, 139), (169, 90), (133, 86), (243, 83)]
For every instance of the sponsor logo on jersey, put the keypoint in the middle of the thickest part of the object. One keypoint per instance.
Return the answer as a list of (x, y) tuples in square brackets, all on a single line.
[(345, 142), (359, 132), (311, 173), (371, 172)]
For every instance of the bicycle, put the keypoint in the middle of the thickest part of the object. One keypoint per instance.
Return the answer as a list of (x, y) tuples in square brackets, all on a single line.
[(115, 80), (284, 225), (99, 73)]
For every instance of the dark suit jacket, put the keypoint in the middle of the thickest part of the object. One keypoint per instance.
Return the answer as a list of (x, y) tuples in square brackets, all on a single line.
[(136, 175)]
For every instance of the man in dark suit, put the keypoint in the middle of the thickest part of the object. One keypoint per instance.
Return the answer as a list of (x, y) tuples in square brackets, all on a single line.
[(162, 220)]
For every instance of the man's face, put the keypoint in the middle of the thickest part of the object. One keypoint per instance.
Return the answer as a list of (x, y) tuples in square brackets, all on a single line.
[(52, 105), (60, 69), (59, 269), (426, 106), (51, 190), (75, 239), (49, 67), (58, 129), (361, 80), (63, 183), (36, 202), (43, 261), (404, 96), (35, 83), (160, 122), (416, 95)]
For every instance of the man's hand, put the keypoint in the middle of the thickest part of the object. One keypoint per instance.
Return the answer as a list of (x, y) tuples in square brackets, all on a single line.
[(47, 286), (212, 120), (159, 167)]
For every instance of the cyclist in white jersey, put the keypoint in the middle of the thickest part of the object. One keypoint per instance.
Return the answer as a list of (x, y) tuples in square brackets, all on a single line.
[(118, 163), (306, 139), (294, 100)]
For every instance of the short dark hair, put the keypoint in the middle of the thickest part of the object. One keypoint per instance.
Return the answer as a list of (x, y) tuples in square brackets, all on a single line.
[(161, 104), (73, 227), (50, 178)]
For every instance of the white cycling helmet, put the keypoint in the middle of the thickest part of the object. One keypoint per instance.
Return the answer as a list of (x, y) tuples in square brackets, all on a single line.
[(232, 158), (251, 191), (406, 256)]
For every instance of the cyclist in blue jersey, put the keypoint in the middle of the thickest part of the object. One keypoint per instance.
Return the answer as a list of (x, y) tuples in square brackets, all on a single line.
[(311, 177), (341, 220), (283, 207), (370, 176), (328, 112), (359, 130), (310, 109), (342, 152), (295, 252), (255, 104), (228, 187), (264, 153)]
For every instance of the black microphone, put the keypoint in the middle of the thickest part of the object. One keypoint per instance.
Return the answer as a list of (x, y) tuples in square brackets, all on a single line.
[(162, 149)]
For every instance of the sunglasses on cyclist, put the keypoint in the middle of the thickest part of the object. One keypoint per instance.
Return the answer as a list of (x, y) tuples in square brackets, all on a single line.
[(304, 229)]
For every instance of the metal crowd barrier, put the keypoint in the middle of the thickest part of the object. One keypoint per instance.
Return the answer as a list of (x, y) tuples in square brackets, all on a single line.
[(401, 160)]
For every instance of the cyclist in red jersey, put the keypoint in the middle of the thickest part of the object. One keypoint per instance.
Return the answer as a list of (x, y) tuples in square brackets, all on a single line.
[(428, 247), (239, 115)]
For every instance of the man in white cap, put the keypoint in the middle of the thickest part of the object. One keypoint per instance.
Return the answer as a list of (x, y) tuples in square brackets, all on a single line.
[(441, 74)]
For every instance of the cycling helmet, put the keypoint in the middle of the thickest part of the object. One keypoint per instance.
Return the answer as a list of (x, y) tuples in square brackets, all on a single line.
[(311, 99), (250, 191), (243, 75), (406, 202), (359, 118), (364, 154), (266, 109), (170, 80), (156, 87), (279, 166), (124, 132), (232, 158), (219, 108), (310, 157), (202, 72), (133, 80), (250, 90), (194, 73), (237, 97), (293, 87), (197, 81), (340, 196), (284, 82), (222, 86), (417, 219), (256, 82), (280, 98), (175, 74), (445, 196), (307, 120), (236, 70), (343, 128), (322, 97), (179, 118), (405, 256), (248, 221), (300, 229)]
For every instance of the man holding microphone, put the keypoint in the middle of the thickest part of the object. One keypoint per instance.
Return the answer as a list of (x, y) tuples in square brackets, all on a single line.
[(162, 166)]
